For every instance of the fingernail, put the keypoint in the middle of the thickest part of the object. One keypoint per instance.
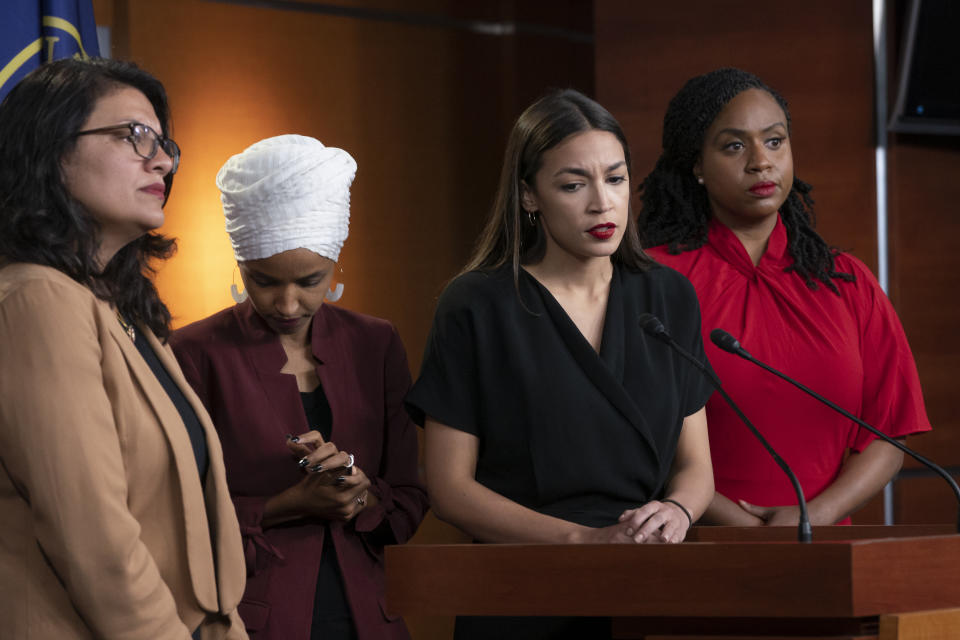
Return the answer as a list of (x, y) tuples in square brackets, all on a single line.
[(303, 462), (629, 532), (317, 467)]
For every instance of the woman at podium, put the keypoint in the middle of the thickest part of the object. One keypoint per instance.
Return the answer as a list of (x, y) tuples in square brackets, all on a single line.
[(723, 207), (549, 414)]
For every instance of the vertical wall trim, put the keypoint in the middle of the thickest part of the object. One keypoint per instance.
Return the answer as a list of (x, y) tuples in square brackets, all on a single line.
[(880, 101), (103, 40)]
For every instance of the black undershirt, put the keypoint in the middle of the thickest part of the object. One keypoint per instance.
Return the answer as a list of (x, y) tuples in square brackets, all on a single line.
[(194, 429), (198, 440), (331, 613)]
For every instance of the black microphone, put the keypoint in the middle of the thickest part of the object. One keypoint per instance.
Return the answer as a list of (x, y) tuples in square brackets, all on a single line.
[(727, 342), (652, 325)]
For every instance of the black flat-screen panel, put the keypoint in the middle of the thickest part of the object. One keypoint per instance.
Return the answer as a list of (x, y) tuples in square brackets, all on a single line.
[(928, 99)]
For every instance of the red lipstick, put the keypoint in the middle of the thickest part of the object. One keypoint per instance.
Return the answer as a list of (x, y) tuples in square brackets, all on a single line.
[(763, 189), (602, 231)]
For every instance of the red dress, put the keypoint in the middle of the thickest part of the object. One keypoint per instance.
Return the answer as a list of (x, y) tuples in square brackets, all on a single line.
[(848, 347)]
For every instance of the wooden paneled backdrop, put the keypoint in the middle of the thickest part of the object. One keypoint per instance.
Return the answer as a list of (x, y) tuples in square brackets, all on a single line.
[(423, 93)]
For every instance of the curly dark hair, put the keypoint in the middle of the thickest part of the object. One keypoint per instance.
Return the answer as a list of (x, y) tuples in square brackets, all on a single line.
[(40, 222), (675, 210), (508, 236)]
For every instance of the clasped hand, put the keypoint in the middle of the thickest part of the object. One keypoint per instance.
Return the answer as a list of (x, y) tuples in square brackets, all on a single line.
[(654, 522), (782, 516), (333, 487)]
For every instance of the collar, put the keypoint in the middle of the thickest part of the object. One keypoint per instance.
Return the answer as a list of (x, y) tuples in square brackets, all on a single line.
[(728, 246), (269, 355)]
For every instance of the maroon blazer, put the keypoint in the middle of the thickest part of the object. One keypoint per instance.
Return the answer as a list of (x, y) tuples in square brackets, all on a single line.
[(233, 361)]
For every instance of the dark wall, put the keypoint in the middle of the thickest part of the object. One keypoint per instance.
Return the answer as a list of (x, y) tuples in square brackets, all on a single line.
[(924, 190)]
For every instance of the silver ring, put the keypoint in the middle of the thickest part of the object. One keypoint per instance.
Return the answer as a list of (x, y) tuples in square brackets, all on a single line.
[(349, 461), (361, 500)]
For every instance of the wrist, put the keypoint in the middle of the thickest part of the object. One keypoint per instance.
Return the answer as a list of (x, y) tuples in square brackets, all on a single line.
[(282, 507), (820, 513), (576, 535), (682, 508)]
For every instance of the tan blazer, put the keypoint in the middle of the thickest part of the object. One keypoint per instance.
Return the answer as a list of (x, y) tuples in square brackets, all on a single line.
[(105, 528)]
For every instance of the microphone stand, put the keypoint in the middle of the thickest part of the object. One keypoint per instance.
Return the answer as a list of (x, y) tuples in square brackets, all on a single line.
[(652, 325), (730, 344)]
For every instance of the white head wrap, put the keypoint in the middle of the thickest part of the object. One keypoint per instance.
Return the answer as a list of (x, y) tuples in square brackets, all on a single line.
[(287, 192)]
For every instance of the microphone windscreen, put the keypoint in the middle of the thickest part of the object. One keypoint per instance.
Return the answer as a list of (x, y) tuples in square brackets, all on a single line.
[(652, 325), (724, 340)]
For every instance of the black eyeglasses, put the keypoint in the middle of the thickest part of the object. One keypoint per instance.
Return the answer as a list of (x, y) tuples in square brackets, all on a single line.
[(145, 141)]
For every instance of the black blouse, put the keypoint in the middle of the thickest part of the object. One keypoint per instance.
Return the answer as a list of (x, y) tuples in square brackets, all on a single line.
[(564, 430), (198, 439)]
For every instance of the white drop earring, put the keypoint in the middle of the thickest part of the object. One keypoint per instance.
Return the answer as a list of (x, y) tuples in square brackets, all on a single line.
[(235, 293), (334, 294)]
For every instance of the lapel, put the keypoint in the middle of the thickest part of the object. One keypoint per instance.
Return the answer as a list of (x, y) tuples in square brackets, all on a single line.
[(605, 370), (263, 351), (227, 556), (330, 354), (200, 554)]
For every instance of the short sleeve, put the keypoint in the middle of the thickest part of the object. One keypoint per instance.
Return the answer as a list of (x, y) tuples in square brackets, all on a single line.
[(892, 398), (447, 389), (684, 324)]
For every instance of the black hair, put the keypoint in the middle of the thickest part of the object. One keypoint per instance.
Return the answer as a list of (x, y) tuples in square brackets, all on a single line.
[(39, 221), (675, 210), (509, 235)]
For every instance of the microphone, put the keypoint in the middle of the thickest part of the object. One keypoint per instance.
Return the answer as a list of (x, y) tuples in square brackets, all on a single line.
[(652, 325), (728, 343)]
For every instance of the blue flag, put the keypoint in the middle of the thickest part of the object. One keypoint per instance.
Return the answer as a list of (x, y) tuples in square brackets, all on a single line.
[(36, 31)]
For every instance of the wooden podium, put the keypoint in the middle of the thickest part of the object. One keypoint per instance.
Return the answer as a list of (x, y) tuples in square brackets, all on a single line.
[(723, 582)]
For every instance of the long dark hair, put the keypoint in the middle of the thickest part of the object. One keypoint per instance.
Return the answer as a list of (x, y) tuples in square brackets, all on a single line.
[(675, 210), (39, 221), (508, 236)]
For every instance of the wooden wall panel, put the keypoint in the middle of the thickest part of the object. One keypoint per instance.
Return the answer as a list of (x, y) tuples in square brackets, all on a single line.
[(925, 285), (817, 54)]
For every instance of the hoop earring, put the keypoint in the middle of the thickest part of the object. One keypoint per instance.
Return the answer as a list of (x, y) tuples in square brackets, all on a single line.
[(532, 217), (334, 294), (235, 293)]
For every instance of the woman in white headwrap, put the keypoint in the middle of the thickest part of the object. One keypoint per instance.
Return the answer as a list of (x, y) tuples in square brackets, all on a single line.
[(315, 508)]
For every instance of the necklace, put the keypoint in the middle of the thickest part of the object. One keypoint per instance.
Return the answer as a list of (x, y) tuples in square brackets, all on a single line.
[(127, 327)]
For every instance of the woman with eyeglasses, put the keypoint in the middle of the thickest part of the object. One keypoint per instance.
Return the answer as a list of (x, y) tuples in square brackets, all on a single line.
[(117, 522)]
